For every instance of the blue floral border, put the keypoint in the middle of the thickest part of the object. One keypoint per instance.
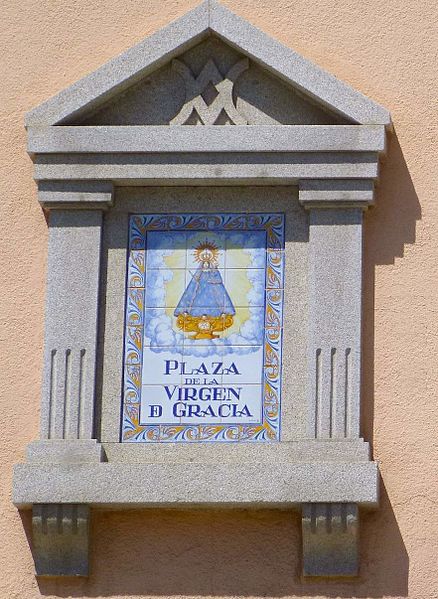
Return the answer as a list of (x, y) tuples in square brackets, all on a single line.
[(269, 430)]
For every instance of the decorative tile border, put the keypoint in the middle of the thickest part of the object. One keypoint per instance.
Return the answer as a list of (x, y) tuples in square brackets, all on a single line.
[(269, 428)]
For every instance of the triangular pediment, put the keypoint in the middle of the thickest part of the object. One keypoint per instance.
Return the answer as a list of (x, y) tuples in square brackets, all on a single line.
[(210, 67), (210, 84)]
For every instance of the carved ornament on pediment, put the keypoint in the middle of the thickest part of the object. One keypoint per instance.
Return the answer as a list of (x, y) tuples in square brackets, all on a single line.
[(209, 96)]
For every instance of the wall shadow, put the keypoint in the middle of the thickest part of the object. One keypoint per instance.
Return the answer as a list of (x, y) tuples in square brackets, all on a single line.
[(388, 227), (226, 554)]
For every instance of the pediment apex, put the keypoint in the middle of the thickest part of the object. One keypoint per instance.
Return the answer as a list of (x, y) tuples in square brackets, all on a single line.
[(208, 18)]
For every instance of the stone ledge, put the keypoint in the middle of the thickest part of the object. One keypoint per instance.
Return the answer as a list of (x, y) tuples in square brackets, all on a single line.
[(249, 485), (304, 451), (253, 138)]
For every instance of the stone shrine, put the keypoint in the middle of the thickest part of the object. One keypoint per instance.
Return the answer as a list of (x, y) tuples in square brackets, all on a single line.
[(203, 317)]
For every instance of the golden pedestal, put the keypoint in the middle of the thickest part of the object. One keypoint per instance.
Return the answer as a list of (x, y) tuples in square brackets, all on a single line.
[(204, 327)]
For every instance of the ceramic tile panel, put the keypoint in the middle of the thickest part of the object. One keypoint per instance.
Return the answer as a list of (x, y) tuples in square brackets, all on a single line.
[(204, 313)]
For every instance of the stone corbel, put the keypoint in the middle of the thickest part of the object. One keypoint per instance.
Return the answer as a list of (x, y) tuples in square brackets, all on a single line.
[(60, 531), (330, 531), (330, 539), (60, 539)]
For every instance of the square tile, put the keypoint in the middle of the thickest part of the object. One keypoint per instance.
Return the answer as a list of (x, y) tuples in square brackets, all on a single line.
[(203, 364), (132, 383), (204, 288), (203, 348), (135, 307), (243, 365), (162, 365), (133, 344), (160, 328), (247, 327), (274, 299), (246, 287), (246, 249), (166, 249), (164, 287), (136, 268), (201, 405), (243, 405), (205, 247), (275, 270), (158, 404)]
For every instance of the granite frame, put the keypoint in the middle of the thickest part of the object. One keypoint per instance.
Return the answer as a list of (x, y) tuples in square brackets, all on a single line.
[(78, 462), (247, 199)]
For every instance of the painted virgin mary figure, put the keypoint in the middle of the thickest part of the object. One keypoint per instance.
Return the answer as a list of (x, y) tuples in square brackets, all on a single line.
[(205, 308)]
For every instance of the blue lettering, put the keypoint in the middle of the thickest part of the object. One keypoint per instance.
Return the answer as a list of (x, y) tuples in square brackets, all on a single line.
[(169, 393), (155, 411), (179, 409), (170, 366)]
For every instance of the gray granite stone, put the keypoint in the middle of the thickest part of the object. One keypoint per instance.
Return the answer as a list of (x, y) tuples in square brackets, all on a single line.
[(64, 451), (258, 138), (222, 109), (265, 99), (252, 485), (258, 95), (336, 193), (330, 540), (335, 294), (320, 462), (67, 405), (232, 168), (304, 451), (60, 539), (75, 194)]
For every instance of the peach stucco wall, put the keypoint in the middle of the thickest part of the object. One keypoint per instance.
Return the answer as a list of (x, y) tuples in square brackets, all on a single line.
[(386, 49)]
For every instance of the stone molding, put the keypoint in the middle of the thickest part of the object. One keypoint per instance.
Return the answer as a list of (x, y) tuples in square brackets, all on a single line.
[(289, 452), (65, 451), (75, 166), (212, 139), (326, 193), (231, 168), (89, 195), (334, 340), (68, 394)]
